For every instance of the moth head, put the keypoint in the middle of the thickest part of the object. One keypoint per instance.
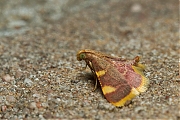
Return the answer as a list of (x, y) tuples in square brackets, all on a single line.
[(81, 56)]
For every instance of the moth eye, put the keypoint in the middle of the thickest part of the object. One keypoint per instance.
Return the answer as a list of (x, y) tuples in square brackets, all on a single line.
[(82, 56)]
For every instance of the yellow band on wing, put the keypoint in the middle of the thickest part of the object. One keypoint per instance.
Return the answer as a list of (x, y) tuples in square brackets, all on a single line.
[(108, 89), (131, 95), (100, 73), (144, 83)]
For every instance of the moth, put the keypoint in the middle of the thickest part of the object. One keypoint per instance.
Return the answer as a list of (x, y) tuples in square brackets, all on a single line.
[(120, 79)]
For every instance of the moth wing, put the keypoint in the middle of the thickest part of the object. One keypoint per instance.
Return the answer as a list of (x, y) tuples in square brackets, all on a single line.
[(133, 73), (120, 80), (114, 87)]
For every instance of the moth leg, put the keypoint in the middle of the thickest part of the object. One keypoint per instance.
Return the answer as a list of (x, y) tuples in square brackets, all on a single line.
[(84, 68), (88, 63), (92, 70), (95, 85)]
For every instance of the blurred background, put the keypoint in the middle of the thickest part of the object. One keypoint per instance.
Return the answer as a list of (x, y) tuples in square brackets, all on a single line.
[(17, 16)]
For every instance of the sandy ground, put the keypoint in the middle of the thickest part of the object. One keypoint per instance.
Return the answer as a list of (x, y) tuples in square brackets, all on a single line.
[(41, 78)]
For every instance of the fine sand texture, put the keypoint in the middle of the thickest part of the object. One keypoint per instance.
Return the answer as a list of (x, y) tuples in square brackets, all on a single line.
[(41, 78)]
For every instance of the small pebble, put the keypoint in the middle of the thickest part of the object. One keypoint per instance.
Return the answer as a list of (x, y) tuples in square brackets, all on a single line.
[(3, 108), (138, 109), (7, 78), (36, 95), (32, 105), (10, 98), (136, 8), (28, 82)]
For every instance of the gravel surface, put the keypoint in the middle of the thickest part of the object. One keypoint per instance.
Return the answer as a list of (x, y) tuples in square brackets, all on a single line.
[(41, 78)]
